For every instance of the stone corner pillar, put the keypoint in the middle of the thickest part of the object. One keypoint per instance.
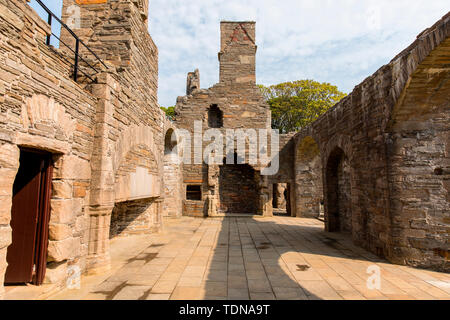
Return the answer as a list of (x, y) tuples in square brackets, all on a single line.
[(265, 198), (102, 198), (211, 203), (213, 182), (98, 259), (158, 220)]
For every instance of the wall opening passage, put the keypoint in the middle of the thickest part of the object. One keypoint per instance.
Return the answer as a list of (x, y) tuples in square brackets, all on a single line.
[(170, 142), (215, 117), (30, 215), (339, 214), (308, 179), (238, 189), (281, 198), (193, 193)]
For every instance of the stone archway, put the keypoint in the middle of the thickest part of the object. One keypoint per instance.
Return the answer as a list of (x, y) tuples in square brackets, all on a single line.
[(338, 213)]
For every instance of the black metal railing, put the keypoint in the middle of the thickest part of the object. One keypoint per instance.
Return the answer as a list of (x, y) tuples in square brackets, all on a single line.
[(78, 42)]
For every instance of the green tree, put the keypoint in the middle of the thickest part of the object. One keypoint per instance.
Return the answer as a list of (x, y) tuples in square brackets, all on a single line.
[(296, 104), (170, 112)]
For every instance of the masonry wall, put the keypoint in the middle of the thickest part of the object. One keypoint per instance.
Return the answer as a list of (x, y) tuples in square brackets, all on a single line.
[(239, 100), (106, 136), (419, 158), (308, 179), (42, 108), (387, 145), (285, 174), (128, 160)]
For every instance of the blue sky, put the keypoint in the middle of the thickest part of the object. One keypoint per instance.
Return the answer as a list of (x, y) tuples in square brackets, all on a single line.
[(337, 41)]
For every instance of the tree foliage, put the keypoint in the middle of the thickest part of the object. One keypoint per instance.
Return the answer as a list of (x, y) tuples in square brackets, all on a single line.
[(296, 104), (170, 112)]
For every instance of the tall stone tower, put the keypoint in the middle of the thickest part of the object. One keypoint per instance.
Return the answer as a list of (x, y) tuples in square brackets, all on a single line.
[(114, 29), (117, 31), (237, 54)]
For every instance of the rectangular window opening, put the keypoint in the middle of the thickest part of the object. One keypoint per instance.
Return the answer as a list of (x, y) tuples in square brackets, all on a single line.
[(194, 193)]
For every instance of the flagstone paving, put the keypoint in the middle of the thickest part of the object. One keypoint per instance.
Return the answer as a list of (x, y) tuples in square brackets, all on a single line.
[(251, 258)]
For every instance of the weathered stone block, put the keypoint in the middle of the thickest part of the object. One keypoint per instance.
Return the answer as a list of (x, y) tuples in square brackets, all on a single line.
[(59, 232), (72, 167), (5, 210), (62, 189), (56, 273), (63, 250), (80, 225), (62, 211), (80, 189), (5, 236), (10, 156)]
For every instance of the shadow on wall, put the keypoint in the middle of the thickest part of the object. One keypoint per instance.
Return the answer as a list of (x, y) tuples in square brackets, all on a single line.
[(132, 217)]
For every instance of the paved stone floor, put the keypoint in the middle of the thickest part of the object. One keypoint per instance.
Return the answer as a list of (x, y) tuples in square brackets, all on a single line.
[(251, 258)]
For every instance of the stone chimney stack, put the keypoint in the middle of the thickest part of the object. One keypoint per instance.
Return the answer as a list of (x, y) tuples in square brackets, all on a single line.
[(193, 81), (237, 54)]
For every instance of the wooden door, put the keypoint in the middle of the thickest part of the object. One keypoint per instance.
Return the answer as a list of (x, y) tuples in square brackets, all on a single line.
[(30, 214), (40, 259)]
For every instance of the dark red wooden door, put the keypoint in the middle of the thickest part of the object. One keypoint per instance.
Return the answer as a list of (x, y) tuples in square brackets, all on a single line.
[(29, 209), (43, 222)]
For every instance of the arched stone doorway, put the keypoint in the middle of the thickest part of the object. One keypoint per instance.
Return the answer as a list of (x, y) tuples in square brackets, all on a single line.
[(338, 215)]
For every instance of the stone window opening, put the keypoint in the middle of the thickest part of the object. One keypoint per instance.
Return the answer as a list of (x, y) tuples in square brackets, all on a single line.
[(215, 117), (170, 142), (193, 193)]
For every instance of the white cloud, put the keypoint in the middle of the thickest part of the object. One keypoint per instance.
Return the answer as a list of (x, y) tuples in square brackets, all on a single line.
[(341, 42)]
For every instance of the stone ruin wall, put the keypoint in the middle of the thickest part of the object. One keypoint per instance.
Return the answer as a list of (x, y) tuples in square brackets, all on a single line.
[(308, 179), (241, 108), (117, 32), (241, 102), (285, 174), (419, 155), (41, 107), (391, 133), (389, 142), (99, 133)]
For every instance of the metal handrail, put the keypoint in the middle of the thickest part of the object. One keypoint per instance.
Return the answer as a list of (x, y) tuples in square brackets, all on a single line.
[(78, 41)]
